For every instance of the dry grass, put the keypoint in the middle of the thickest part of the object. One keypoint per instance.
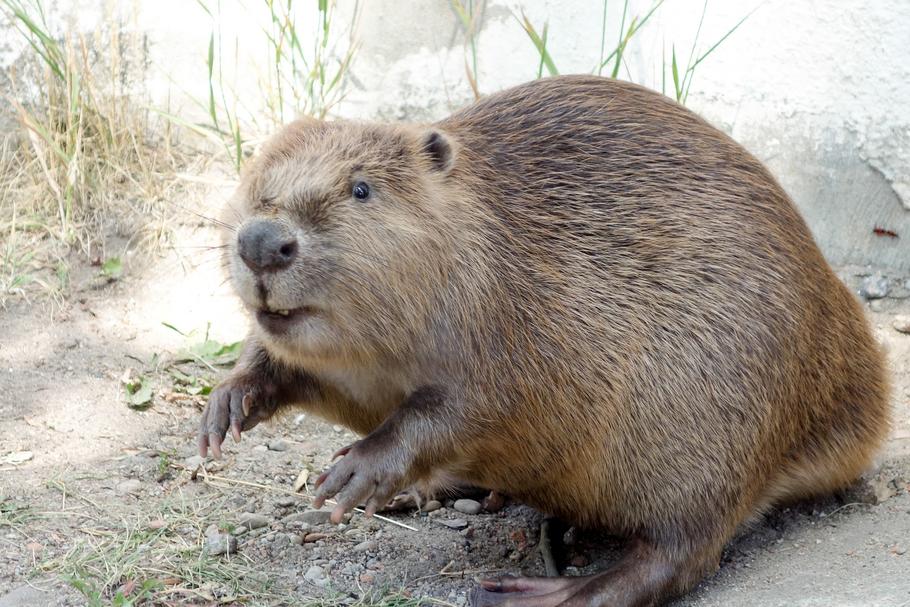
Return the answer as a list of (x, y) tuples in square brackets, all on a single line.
[(91, 170), (118, 554), (88, 163)]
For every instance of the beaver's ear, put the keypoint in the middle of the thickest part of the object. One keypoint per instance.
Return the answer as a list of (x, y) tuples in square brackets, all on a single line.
[(440, 149)]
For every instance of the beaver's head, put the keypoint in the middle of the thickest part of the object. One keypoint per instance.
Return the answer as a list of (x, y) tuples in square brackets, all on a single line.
[(342, 235)]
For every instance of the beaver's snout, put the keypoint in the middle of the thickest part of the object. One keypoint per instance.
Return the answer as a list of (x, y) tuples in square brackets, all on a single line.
[(266, 245)]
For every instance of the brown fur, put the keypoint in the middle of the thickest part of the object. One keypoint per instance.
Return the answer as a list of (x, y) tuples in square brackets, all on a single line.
[(626, 320)]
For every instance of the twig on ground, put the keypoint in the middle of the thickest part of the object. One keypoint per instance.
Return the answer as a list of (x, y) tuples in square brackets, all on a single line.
[(836, 510), (546, 550), (208, 478)]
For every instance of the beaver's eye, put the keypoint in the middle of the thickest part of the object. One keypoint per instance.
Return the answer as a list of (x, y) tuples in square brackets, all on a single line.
[(361, 191)]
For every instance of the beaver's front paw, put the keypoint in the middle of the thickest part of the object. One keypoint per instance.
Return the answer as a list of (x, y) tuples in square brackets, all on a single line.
[(239, 403), (368, 473)]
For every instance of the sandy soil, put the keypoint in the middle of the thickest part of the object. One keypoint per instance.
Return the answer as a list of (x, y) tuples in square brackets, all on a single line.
[(94, 494)]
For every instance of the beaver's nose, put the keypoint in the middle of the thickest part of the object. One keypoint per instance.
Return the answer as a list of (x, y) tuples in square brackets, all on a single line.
[(266, 245)]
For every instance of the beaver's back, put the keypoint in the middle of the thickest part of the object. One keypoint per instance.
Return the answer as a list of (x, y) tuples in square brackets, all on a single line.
[(678, 316)]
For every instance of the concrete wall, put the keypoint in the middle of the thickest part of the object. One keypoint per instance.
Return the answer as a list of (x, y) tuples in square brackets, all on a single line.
[(817, 89)]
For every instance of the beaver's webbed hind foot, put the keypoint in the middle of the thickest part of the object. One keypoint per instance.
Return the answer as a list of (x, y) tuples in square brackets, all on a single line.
[(644, 576)]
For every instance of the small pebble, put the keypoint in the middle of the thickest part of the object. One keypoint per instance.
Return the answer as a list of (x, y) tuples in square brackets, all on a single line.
[(579, 561), (156, 524), (129, 486), (875, 286), (454, 523), (285, 501), (494, 502), (901, 323), (219, 543), (365, 546), (277, 445), (466, 506), (239, 530), (312, 517), (260, 448), (309, 538), (314, 574), (431, 506), (251, 520)]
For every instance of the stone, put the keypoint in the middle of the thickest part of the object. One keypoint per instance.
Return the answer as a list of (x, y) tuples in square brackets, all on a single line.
[(252, 520), (454, 523), (466, 506), (314, 574), (311, 517), (217, 542), (366, 546), (875, 286), (901, 323), (432, 506), (579, 560), (874, 490), (494, 502), (883, 489), (130, 486), (277, 445)]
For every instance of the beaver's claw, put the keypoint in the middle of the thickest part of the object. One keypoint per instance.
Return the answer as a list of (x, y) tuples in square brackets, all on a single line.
[(366, 474)]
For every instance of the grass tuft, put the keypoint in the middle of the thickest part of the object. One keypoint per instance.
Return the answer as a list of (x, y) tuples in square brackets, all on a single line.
[(682, 77), (305, 72), (87, 162)]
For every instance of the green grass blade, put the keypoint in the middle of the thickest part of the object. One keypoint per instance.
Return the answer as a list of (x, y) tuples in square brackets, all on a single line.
[(603, 39), (540, 44), (691, 70), (617, 53), (675, 70), (619, 43), (705, 55)]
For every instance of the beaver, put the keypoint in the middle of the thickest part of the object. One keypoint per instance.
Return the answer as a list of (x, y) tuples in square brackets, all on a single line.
[(575, 292)]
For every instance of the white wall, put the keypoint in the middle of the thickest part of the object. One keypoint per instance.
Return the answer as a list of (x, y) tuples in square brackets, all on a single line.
[(818, 89)]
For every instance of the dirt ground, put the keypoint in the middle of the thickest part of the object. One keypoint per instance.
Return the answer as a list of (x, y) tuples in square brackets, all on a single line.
[(98, 505)]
